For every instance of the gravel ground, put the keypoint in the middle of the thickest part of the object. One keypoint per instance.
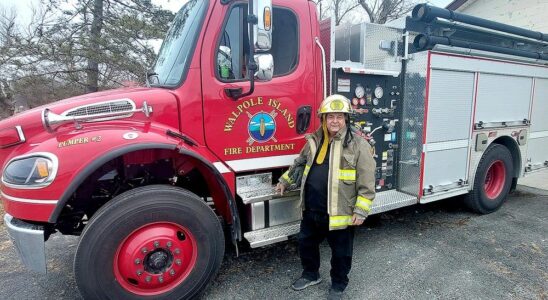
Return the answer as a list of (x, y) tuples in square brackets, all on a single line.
[(434, 251)]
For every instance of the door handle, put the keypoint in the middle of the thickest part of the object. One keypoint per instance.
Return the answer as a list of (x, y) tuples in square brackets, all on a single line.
[(233, 93), (303, 118)]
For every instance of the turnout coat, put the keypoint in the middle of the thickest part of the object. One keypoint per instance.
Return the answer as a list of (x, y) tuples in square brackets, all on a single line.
[(351, 179)]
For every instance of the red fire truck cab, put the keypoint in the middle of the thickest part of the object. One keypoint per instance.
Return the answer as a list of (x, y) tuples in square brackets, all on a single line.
[(154, 179)]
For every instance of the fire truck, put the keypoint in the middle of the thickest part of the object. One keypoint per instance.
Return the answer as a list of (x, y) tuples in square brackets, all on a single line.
[(157, 180)]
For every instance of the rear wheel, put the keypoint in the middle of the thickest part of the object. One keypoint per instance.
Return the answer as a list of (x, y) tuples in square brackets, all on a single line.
[(493, 180), (160, 242)]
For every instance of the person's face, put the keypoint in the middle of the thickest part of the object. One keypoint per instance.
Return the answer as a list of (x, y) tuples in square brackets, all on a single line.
[(335, 122)]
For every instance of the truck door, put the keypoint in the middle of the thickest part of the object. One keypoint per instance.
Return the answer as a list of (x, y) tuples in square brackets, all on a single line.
[(270, 122)]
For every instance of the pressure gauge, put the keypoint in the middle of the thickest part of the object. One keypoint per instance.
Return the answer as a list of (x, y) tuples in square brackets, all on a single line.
[(379, 92), (360, 91), (375, 101)]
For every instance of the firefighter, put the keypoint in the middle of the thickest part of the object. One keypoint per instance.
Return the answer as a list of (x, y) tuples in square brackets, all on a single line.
[(337, 173)]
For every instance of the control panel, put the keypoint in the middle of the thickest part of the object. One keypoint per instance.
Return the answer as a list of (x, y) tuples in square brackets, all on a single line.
[(376, 100)]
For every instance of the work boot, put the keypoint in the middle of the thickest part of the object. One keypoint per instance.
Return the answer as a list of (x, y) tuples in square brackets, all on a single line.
[(335, 294), (302, 283)]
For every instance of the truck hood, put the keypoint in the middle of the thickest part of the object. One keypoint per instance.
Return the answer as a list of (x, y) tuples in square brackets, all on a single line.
[(163, 102)]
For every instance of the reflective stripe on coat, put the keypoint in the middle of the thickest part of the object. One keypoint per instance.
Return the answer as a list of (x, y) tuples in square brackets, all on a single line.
[(351, 179)]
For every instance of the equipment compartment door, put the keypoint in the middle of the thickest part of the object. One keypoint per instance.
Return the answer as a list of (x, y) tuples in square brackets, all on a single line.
[(537, 156), (448, 122)]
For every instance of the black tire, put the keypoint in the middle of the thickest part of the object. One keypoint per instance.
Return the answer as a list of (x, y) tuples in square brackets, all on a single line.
[(486, 196), (136, 214)]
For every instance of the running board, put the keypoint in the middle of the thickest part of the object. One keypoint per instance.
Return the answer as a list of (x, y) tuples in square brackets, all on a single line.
[(384, 201), (389, 200), (271, 235)]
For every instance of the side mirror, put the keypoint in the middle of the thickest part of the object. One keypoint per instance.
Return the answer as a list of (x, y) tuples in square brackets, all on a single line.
[(265, 67), (262, 32)]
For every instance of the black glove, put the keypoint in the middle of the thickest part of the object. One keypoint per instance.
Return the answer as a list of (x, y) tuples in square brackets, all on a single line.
[(296, 173)]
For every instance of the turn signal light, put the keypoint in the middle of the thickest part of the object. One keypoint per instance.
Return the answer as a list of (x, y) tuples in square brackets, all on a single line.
[(267, 20), (11, 136), (42, 168)]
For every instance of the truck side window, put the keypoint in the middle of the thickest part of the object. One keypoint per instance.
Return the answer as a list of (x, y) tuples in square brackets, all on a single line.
[(285, 41), (232, 51)]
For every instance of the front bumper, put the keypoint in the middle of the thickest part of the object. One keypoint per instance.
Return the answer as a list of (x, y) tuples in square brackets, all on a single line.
[(29, 243)]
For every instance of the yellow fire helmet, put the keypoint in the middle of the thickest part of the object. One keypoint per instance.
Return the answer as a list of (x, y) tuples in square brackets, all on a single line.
[(332, 104), (335, 104)]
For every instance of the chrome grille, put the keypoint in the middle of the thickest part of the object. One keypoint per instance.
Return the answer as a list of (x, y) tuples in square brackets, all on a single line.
[(100, 109)]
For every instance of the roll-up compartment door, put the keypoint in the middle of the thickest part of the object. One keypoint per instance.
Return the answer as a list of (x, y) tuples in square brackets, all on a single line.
[(537, 156), (450, 101), (503, 98)]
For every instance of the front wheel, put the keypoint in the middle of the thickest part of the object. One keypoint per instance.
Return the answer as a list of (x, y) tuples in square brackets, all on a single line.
[(156, 242), (493, 180)]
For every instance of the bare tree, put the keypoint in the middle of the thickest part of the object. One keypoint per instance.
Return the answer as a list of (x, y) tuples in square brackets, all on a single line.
[(323, 8), (94, 46), (381, 11), (6, 99), (337, 8), (107, 38), (341, 9), (80, 46)]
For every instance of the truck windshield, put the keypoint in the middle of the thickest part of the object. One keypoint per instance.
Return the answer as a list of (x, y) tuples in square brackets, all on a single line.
[(176, 51)]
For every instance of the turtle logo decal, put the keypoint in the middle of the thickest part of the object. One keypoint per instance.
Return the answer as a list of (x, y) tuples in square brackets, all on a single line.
[(261, 127)]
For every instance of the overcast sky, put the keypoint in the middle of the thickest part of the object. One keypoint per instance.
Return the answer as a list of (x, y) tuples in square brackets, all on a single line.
[(440, 3), (24, 11)]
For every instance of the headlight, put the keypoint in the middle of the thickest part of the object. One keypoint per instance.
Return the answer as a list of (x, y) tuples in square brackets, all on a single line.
[(31, 171)]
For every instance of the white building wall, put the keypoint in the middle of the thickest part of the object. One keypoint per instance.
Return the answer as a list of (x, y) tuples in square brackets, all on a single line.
[(530, 14)]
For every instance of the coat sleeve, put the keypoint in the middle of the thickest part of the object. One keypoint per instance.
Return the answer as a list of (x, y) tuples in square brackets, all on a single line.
[(288, 178), (365, 180)]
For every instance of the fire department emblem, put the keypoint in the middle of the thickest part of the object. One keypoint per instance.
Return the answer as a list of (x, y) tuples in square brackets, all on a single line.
[(261, 127), (337, 105)]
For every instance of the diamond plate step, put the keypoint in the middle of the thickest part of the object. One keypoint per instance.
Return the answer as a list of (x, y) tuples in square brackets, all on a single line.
[(258, 188), (384, 201), (271, 235), (389, 200)]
